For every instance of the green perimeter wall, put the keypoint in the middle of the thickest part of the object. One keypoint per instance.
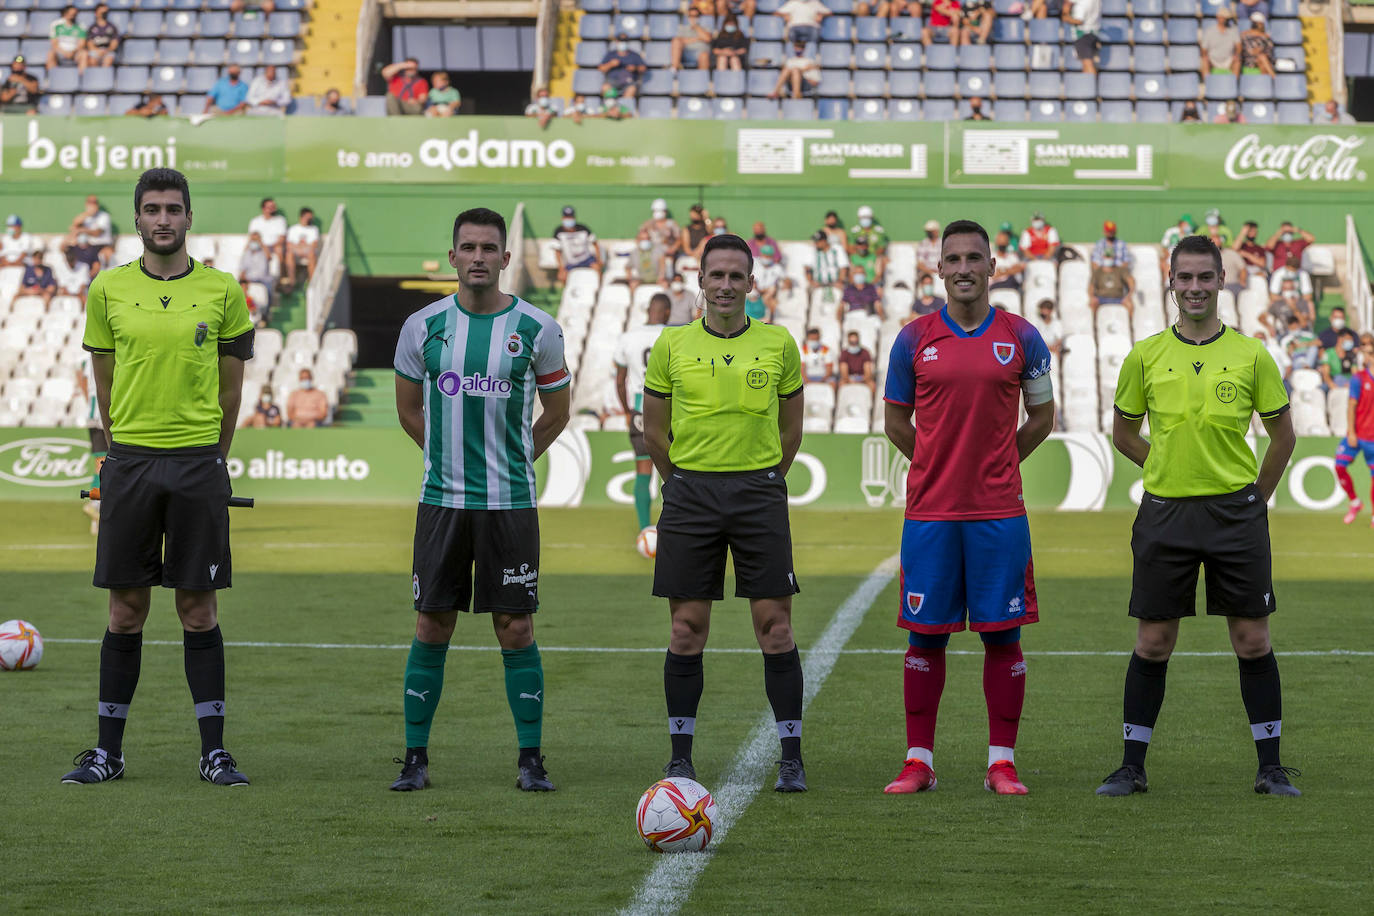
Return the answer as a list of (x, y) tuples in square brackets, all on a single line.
[(401, 210)]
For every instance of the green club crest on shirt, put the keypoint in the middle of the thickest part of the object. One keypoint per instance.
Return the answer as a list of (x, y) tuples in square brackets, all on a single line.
[(757, 378), (1226, 391), (202, 331)]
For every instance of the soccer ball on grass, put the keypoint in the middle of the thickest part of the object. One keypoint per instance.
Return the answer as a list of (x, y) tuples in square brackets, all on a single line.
[(676, 815), (647, 543), (21, 646)]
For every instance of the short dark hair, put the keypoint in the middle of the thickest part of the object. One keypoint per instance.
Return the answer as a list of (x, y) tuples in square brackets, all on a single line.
[(661, 300), (1196, 244), (262, 203), (480, 216), (727, 241), (810, 331), (162, 180), (305, 210), (965, 227)]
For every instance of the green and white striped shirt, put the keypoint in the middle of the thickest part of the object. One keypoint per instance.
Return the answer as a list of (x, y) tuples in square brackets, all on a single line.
[(479, 374)]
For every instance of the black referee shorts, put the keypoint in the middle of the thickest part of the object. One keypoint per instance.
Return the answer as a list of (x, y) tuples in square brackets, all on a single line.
[(486, 559), (164, 519), (703, 515), (1226, 534)]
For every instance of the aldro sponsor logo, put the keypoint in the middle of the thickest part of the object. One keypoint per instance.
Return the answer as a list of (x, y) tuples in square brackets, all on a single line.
[(477, 385)]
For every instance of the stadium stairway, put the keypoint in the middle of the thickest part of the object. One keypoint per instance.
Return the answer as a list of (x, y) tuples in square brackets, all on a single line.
[(330, 48), (289, 312), (370, 400), (564, 53), (1318, 51)]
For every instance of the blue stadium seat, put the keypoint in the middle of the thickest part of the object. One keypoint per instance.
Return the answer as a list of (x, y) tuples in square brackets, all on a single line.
[(597, 6), (870, 57), (1183, 86), (904, 29), (9, 47), (193, 5), (659, 55), (1221, 86), (119, 19), (1290, 87), (835, 55), (1181, 32), (632, 26), (1114, 85), (168, 80), (1080, 112), (87, 105), (837, 28), (144, 24), (39, 22), (974, 57), (1115, 31), (1153, 112), (98, 79), (761, 81), (63, 79), (594, 26), (1283, 9), (1184, 57), (770, 51), (938, 84), (1294, 113), (131, 79), (662, 27), (586, 82), (1004, 7), (693, 82), (1151, 86), (1149, 59), (174, 51), (1008, 57), (1009, 84), (1080, 86), (657, 82), (279, 51), (833, 109), (769, 28), (974, 82), (200, 79), (905, 57), (1260, 113), (1114, 57), (761, 109), (650, 107), (120, 104), (1044, 31), (798, 109), (589, 53), (942, 57), (870, 84), (35, 49), (1209, 7), (666, 6), (1182, 8), (1115, 112), (181, 24), (244, 52), (1045, 85), (138, 51), (1008, 29), (54, 104), (13, 23), (209, 51), (1147, 8), (1286, 31), (1045, 110), (1256, 87), (692, 109), (840, 7), (1012, 111), (1147, 32), (833, 83), (765, 7), (729, 109), (904, 110), (1292, 53), (632, 6), (250, 24), (870, 109), (939, 109), (728, 82), (870, 28)]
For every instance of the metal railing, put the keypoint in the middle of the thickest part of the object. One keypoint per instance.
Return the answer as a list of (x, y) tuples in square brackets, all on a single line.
[(329, 274), (369, 23), (513, 277), (545, 36), (1357, 264)]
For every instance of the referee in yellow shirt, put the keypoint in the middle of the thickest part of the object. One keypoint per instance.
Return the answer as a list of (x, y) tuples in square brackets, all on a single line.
[(722, 422), (1204, 503), (168, 338)]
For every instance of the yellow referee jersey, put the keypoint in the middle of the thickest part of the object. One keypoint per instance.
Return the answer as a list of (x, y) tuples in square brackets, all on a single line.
[(724, 393)]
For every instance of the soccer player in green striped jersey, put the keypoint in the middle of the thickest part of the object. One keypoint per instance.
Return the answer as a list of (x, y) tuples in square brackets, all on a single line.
[(468, 368)]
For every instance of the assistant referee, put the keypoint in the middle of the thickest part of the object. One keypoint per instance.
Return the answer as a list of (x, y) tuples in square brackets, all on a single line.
[(722, 422), (1199, 381), (168, 338)]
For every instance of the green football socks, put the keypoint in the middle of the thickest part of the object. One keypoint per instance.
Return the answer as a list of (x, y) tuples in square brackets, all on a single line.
[(423, 685), (525, 692), (642, 499)]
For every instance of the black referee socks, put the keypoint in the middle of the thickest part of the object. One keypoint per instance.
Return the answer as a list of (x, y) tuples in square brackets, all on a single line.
[(782, 680), (683, 681), (121, 655), (1263, 697), (205, 676), (1140, 706)]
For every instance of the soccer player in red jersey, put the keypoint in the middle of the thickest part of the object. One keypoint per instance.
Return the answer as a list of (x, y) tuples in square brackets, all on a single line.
[(966, 545), (1359, 434)]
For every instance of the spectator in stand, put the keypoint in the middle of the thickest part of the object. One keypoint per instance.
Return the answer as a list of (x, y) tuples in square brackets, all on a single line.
[(803, 19), (270, 225), (645, 265), (150, 105), (684, 303), (20, 94), (1219, 45), (1109, 244), (269, 93), (856, 363), (307, 406), (266, 7), (665, 233), (1012, 235), (333, 105), (769, 278), (1086, 18), (579, 109), (1288, 240), (576, 246), (302, 245), (1111, 283), (1051, 330), (1190, 112), (90, 237), (703, 7), (1172, 236), (945, 24), (1044, 9), (16, 245), (1234, 267), (799, 70), (695, 234), (102, 39), (979, 17), (1301, 346), (975, 109), (1256, 256), (864, 258), (406, 90), (718, 226), (255, 266), (1040, 240), (1246, 8), (834, 229), (73, 277), (926, 300), (1291, 270), (622, 68), (266, 414), (1008, 270), (1213, 220), (1337, 324), (1256, 48), (818, 363), (1340, 361), (829, 267), (691, 40), (928, 248), (541, 107), (762, 238), (730, 47), (1331, 113), (615, 105), (1229, 113), (877, 235), (860, 296), (444, 100), (66, 41), (229, 95), (38, 279), (738, 8), (1288, 304)]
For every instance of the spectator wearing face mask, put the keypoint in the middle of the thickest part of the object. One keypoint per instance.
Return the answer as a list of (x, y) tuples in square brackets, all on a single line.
[(255, 266), (868, 226), (695, 233), (818, 363), (684, 308), (1339, 361), (800, 71), (307, 406), (1301, 346), (1289, 239), (760, 238), (928, 248), (1291, 270), (1337, 322), (1040, 240), (926, 299), (856, 363), (1110, 244), (664, 232), (38, 279), (1255, 255), (769, 279), (1287, 303), (1007, 269), (860, 296), (1110, 283), (1230, 113), (864, 258), (829, 267), (623, 68), (1190, 112), (645, 264), (692, 42), (835, 230), (541, 108), (719, 226), (1217, 228), (1176, 233), (266, 414), (730, 46), (1049, 326), (575, 245)]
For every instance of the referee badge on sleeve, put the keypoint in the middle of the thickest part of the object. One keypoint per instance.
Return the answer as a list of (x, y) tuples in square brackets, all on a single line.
[(202, 331)]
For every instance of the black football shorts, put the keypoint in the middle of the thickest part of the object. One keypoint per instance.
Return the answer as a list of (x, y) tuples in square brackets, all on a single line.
[(486, 559)]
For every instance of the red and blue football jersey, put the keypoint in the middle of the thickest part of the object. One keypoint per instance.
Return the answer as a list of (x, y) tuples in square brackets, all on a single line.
[(966, 389), (1362, 393)]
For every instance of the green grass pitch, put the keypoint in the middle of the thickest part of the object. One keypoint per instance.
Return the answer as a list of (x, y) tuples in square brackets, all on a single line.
[(316, 728)]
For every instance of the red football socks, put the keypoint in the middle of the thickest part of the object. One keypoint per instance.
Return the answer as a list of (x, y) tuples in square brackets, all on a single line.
[(922, 683), (1004, 686)]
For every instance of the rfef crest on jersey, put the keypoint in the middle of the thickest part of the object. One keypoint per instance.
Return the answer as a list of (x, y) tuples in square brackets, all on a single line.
[(1003, 351)]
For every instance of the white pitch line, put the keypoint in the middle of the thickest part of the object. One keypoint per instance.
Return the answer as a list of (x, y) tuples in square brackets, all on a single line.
[(669, 884)]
